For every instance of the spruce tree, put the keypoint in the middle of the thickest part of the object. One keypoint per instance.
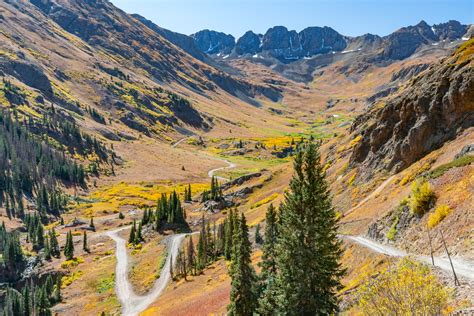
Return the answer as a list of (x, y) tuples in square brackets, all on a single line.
[(138, 235), (243, 298), (84, 242), (191, 256), (53, 244), (91, 225), (39, 236), (69, 247), (229, 234), (267, 286), (132, 238), (190, 194), (258, 237), (308, 250), (47, 249)]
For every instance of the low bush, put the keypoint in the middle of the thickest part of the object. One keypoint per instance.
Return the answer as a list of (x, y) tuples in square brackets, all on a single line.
[(438, 215), (408, 288), (422, 198), (392, 232)]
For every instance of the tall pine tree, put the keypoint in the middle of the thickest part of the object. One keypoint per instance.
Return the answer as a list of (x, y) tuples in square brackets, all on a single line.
[(243, 298), (69, 247), (268, 265), (308, 250)]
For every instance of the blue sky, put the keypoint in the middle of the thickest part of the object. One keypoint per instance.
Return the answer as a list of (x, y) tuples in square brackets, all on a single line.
[(348, 17)]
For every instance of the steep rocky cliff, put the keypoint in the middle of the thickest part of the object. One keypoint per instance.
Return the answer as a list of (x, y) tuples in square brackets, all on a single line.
[(432, 109)]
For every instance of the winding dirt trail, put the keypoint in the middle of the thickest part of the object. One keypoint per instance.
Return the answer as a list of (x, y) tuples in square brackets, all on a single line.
[(230, 165), (133, 304), (179, 142), (461, 266), (211, 172)]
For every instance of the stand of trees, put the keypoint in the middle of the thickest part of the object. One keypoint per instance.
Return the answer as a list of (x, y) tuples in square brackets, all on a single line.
[(12, 260), (32, 164), (214, 194), (29, 166), (214, 242), (169, 211), (33, 298)]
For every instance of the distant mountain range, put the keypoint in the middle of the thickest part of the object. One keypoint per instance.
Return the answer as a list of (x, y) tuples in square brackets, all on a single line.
[(287, 45)]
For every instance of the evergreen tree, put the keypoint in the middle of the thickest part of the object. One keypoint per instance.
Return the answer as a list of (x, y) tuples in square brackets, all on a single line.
[(190, 194), (191, 256), (39, 236), (91, 225), (132, 238), (138, 235), (258, 237), (47, 249), (308, 250), (84, 242), (202, 247), (53, 244), (267, 287), (243, 298), (69, 247)]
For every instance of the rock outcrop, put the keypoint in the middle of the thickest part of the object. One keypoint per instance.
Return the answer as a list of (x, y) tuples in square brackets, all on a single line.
[(28, 73), (434, 108)]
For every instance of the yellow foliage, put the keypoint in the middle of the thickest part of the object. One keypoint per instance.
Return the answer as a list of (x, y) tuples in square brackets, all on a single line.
[(409, 288), (352, 179), (72, 263), (327, 166), (355, 141), (438, 215), (265, 200), (68, 279), (111, 198), (412, 174), (421, 198)]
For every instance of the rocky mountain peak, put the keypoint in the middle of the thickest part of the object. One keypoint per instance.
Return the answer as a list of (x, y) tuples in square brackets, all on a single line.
[(212, 42), (289, 45), (450, 30), (249, 43)]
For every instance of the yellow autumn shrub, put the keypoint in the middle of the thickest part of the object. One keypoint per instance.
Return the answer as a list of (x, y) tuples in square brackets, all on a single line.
[(438, 215), (408, 288), (421, 198)]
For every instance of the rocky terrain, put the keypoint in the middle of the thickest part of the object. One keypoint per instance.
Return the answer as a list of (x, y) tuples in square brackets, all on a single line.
[(433, 107)]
